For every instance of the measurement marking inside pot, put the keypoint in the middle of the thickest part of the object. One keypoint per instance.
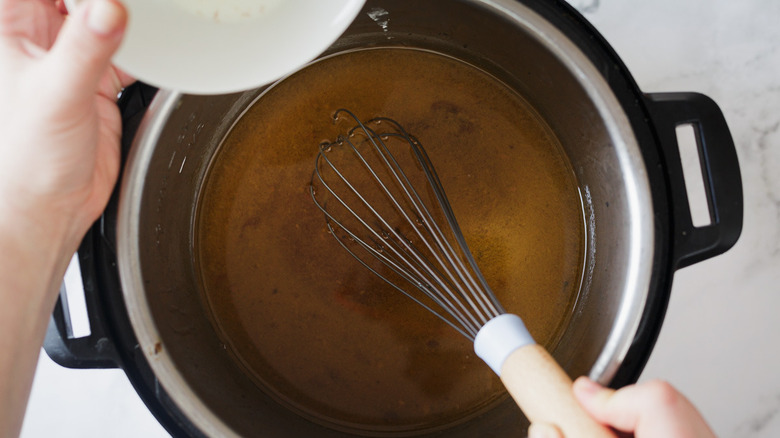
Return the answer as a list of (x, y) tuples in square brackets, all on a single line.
[(182, 164), (380, 16), (590, 241)]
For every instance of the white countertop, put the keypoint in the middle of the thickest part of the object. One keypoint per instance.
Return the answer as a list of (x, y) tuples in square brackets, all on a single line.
[(719, 343)]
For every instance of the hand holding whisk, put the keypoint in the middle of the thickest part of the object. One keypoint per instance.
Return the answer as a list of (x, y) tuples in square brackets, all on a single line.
[(385, 205)]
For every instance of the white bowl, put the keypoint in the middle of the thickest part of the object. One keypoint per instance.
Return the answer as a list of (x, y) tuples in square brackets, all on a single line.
[(223, 46)]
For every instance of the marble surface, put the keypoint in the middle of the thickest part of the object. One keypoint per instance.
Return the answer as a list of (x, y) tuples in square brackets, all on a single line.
[(719, 343)]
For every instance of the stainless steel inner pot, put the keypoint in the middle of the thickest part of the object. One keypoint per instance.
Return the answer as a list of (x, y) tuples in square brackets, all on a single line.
[(180, 134)]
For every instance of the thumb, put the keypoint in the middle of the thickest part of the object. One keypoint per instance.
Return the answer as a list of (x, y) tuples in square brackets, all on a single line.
[(82, 53), (653, 408), (599, 402)]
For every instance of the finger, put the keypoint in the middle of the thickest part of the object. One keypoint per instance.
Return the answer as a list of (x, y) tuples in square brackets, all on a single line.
[(61, 6), (653, 407), (114, 81), (596, 400), (82, 53), (124, 78), (34, 21), (544, 430)]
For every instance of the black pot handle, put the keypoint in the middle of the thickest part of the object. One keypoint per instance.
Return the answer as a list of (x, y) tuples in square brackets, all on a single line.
[(97, 257), (95, 350), (720, 170)]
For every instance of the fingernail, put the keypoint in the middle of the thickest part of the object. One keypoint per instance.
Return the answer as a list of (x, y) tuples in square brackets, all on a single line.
[(104, 16), (585, 385), (543, 430)]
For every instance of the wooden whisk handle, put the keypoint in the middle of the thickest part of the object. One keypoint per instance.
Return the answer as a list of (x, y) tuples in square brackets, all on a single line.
[(534, 379), (543, 391)]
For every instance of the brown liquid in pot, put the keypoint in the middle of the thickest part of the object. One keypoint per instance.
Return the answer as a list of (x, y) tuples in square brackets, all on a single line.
[(316, 329)]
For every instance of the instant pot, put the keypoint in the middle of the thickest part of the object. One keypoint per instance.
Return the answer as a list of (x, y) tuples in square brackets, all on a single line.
[(137, 264)]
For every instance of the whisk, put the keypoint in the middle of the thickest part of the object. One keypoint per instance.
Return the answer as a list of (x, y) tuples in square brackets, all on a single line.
[(385, 205)]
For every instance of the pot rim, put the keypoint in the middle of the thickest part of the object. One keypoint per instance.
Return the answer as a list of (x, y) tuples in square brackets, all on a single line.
[(632, 165)]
